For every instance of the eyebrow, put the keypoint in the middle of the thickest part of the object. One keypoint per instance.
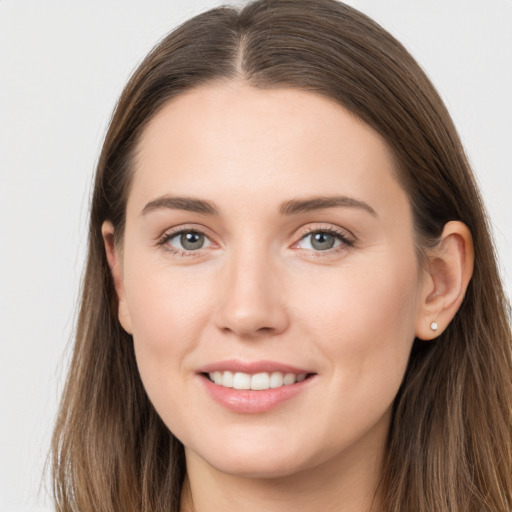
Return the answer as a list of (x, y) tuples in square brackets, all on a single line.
[(295, 206), (290, 207), (181, 203)]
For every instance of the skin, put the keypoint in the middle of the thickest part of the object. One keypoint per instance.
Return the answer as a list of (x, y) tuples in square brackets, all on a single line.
[(259, 290)]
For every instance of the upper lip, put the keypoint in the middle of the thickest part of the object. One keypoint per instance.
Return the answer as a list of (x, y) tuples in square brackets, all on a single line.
[(251, 367)]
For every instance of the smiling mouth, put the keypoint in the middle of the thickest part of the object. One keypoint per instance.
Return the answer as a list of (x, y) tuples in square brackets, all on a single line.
[(257, 381)]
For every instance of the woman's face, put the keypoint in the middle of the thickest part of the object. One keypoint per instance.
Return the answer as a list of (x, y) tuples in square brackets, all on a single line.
[(268, 245)]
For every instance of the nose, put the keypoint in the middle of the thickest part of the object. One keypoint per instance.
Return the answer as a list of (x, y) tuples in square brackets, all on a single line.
[(252, 300)]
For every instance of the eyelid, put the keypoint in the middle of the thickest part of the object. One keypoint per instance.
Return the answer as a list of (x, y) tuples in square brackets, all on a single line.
[(173, 232), (346, 237)]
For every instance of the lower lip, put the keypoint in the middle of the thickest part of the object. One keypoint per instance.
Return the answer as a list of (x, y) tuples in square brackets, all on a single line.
[(249, 401)]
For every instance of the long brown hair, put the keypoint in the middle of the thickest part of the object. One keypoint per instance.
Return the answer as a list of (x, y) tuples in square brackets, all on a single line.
[(450, 441)]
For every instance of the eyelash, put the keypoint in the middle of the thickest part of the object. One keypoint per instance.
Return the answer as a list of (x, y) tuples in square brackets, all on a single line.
[(169, 235), (346, 241), (342, 236)]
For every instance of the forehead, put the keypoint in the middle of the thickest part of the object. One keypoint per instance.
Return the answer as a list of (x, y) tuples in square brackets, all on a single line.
[(232, 141)]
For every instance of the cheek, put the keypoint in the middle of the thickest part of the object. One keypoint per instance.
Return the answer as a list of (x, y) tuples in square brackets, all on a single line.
[(168, 310), (165, 306), (363, 318), (362, 321)]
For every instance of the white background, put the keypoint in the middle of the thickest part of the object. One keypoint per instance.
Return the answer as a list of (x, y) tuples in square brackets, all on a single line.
[(62, 66)]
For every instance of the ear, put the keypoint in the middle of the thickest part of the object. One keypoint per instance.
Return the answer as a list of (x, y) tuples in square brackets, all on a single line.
[(114, 262), (448, 271)]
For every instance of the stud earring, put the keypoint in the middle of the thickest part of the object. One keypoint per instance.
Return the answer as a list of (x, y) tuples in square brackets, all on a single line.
[(433, 326)]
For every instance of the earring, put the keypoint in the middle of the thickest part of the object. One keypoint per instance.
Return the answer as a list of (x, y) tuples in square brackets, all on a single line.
[(433, 326)]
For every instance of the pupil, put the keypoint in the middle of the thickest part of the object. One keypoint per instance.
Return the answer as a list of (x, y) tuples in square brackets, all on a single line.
[(322, 241), (192, 240)]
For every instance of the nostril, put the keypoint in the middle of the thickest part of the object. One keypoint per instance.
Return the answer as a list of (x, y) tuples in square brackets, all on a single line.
[(265, 330), (249, 330)]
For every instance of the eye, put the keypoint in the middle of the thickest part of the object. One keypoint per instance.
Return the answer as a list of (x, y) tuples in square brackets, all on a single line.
[(186, 241), (323, 240)]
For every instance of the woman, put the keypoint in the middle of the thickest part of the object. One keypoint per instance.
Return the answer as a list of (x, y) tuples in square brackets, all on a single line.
[(291, 300)]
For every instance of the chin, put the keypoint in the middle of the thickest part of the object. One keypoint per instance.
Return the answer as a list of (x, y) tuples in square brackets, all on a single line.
[(263, 467), (258, 460)]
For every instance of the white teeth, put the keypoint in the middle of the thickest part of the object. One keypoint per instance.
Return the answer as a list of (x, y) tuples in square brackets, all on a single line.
[(289, 378), (276, 380), (227, 379), (241, 381), (258, 381)]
